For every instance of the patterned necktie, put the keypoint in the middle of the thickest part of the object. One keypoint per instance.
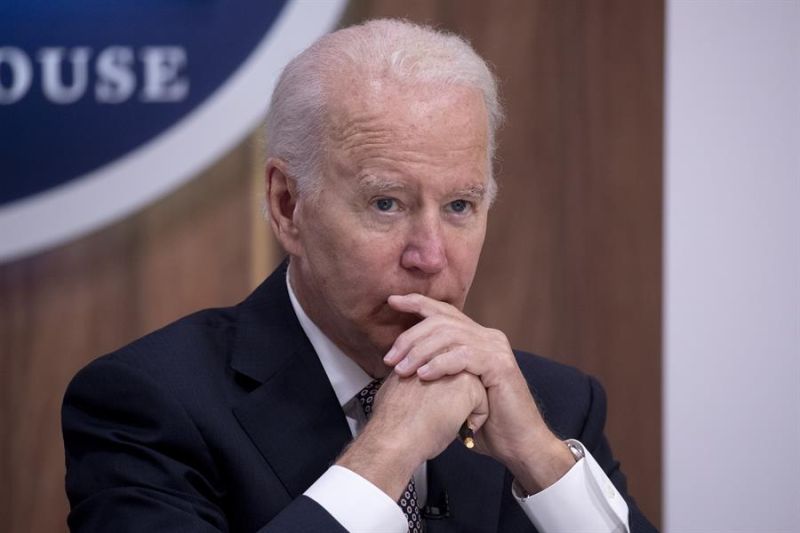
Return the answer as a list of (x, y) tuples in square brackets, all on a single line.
[(408, 501)]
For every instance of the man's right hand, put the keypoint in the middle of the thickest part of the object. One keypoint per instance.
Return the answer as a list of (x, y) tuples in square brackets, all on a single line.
[(413, 421)]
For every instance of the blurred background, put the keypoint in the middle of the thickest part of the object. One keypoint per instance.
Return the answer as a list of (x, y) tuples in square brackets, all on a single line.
[(646, 231)]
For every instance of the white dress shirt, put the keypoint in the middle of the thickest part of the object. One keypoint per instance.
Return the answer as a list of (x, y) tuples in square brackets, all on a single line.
[(583, 501)]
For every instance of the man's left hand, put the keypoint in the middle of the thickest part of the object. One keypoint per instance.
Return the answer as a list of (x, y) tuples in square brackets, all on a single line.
[(447, 342)]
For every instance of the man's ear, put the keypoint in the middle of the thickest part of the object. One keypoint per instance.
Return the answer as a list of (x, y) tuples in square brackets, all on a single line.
[(282, 204)]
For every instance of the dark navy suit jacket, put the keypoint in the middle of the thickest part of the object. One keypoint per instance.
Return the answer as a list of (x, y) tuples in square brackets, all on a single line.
[(221, 420)]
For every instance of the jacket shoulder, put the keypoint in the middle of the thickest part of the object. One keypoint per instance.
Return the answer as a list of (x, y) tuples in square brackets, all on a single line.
[(184, 357), (192, 339)]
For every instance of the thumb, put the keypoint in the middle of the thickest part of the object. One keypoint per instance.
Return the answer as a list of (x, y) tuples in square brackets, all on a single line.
[(479, 414)]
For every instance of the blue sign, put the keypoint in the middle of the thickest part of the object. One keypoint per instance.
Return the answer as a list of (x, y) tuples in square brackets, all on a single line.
[(132, 96)]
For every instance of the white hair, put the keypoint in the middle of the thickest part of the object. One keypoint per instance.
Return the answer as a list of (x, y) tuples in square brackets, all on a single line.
[(377, 49)]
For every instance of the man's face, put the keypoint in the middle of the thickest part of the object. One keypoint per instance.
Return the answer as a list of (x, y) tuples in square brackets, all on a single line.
[(402, 209)]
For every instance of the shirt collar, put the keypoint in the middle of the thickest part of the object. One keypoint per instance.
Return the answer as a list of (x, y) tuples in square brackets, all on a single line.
[(346, 377)]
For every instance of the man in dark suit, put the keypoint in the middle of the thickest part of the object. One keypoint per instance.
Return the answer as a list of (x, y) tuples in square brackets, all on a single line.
[(268, 417)]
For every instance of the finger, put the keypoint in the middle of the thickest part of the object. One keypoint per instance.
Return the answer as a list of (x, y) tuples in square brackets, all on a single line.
[(428, 348), (448, 363), (479, 414), (475, 421), (421, 305), (413, 335)]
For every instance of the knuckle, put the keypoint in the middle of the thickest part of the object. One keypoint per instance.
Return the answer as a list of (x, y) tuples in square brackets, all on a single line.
[(412, 357), (435, 364), (415, 298), (418, 355), (442, 362), (460, 354), (495, 334), (401, 343), (440, 322)]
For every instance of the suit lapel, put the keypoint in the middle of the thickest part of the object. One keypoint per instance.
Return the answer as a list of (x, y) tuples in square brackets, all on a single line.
[(473, 486), (292, 414)]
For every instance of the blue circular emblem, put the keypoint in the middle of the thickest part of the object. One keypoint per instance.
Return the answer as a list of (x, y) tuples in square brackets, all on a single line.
[(129, 98)]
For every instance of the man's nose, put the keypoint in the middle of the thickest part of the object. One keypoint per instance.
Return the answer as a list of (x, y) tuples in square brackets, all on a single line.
[(425, 249)]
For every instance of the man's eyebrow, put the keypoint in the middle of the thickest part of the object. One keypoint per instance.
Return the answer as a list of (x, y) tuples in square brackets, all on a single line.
[(475, 191), (379, 184)]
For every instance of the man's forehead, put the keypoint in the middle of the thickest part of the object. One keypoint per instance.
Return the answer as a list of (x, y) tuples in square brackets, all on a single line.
[(385, 133), (351, 97)]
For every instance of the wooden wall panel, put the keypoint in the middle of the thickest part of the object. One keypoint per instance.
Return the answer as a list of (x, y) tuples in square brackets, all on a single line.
[(571, 267)]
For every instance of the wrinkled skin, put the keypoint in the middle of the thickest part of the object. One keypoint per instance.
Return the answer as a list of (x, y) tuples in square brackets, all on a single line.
[(402, 210)]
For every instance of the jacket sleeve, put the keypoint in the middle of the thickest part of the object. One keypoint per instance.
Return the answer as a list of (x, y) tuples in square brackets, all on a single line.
[(136, 461), (594, 438)]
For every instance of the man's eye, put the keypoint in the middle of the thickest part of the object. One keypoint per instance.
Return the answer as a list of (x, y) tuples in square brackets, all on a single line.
[(459, 206), (385, 204)]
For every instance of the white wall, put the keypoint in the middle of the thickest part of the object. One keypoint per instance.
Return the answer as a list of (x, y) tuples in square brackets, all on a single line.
[(732, 286)]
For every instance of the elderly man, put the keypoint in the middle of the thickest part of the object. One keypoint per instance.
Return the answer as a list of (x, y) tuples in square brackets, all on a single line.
[(336, 391)]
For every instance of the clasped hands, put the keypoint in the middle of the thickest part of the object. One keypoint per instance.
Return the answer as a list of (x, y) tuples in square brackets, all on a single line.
[(448, 369)]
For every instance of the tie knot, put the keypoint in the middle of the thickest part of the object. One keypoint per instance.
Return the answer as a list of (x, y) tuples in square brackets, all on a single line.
[(367, 396)]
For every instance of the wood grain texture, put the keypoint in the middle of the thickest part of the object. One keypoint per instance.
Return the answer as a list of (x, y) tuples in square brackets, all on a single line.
[(571, 268)]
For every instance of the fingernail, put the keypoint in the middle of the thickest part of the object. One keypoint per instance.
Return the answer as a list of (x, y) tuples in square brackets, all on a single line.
[(424, 370), (403, 365), (389, 355)]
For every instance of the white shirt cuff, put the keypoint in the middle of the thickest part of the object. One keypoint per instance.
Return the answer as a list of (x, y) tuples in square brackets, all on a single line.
[(357, 504), (583, 501)]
